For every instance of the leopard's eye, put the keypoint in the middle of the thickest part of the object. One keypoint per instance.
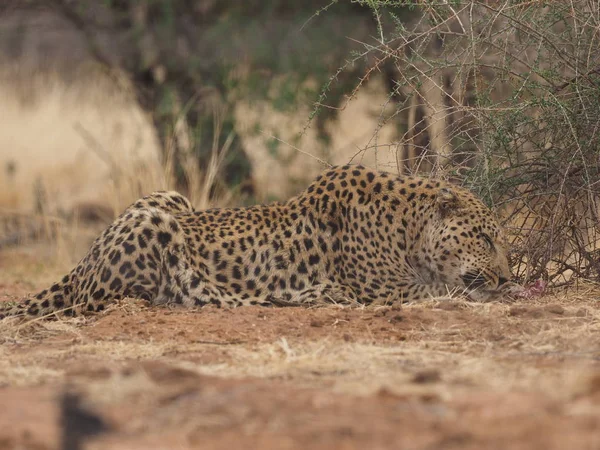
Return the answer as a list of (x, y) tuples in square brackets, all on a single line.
[(488, 240)]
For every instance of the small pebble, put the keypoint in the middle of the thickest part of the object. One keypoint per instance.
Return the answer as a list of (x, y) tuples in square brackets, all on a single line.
[(427, 376)]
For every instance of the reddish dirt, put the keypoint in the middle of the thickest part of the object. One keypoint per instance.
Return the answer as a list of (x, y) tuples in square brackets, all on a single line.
[(439, 375)]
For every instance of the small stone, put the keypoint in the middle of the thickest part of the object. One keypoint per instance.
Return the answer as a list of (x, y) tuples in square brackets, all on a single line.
[(397, 318), (517, 310), (382, 311), (427, 376)]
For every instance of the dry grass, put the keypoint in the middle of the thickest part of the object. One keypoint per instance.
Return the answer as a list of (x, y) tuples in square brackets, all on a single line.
[(489, 346), (105, 159), (153, 370), (65, 144)]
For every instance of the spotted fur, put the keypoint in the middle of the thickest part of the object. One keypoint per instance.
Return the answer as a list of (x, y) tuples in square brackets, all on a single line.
[(354, 236)]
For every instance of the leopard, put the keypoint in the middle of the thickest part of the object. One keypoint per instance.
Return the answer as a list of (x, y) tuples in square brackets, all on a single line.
[(355, 236)]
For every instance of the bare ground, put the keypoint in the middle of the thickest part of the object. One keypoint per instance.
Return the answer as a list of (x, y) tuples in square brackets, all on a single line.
[(434, 375)]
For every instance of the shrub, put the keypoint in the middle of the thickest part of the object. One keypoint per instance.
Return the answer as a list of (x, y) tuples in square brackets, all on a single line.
[(505, 97)]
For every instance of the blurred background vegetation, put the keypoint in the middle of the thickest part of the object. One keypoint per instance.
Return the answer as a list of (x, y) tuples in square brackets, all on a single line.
[(184, 59), (235, 102)]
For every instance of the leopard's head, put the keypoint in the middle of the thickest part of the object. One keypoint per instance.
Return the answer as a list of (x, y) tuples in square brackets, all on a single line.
[(463, 246)]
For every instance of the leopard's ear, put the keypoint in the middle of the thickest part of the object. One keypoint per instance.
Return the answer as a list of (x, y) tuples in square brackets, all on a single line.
[(446, 201)]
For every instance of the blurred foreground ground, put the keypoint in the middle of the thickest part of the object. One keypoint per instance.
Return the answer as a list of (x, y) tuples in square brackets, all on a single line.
[(454, 375)]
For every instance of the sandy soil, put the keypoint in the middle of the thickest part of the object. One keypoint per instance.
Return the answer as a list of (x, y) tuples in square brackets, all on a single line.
[(435, 375)]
